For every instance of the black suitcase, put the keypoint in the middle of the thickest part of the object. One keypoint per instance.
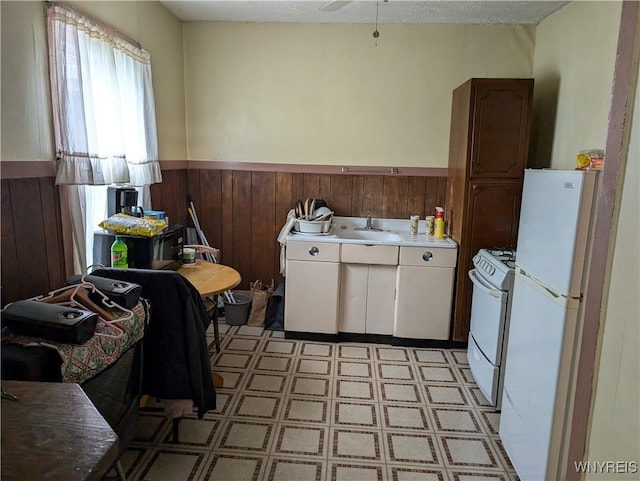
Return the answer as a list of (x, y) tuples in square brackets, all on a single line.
[(68, 325), (125, 294)]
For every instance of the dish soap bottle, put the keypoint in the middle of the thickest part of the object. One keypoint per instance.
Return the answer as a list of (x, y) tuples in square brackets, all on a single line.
[(119, 258)]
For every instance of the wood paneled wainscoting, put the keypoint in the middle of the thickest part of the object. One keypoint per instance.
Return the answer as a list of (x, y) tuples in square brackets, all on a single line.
[(242, 207), (32, 248)]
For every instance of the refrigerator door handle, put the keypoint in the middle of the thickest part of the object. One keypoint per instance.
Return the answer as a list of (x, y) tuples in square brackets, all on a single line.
[(567, 302), (477, 281), (540, 284)]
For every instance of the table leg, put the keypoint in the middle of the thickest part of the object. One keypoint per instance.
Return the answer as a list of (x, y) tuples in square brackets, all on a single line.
[(214, 319), (218, 380)]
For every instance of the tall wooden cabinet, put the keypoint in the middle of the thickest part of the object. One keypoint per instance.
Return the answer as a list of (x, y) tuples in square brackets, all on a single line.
[(488, 149)]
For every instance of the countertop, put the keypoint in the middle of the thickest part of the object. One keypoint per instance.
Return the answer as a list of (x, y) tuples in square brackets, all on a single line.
[(397, 226), (53, 431)]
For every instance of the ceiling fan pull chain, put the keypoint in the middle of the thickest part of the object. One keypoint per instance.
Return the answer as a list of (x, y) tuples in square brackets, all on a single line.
[(376, 34)]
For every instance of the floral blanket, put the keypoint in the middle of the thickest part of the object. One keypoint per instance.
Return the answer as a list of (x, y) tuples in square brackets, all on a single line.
[(82, 362)]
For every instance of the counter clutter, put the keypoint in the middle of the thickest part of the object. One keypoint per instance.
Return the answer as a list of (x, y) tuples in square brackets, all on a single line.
[(384, 231), (370, 278)]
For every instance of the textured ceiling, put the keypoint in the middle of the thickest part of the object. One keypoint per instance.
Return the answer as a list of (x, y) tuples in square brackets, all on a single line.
[(364, 11)]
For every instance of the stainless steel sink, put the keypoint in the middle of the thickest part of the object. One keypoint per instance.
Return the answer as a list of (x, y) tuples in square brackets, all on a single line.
[(369, 235)]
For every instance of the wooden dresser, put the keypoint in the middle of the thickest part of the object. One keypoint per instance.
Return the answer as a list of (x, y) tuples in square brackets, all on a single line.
[(488, 149)]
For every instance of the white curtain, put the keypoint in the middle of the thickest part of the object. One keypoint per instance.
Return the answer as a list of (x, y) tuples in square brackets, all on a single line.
[(104, 119)]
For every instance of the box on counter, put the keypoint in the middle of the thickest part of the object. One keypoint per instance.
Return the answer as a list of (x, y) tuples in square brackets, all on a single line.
[(155, 214)]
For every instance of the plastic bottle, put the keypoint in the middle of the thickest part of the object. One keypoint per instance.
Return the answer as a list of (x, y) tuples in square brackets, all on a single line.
[(438, 225), (438, 228), (119, 258)]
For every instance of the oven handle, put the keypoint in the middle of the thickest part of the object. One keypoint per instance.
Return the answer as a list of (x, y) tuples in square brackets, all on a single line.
[(477, 280)]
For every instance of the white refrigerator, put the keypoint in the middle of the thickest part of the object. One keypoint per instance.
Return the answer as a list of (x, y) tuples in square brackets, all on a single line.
[(553, 237)]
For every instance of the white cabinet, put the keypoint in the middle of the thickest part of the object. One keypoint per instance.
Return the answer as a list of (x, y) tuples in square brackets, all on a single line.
[(367, 298), (312, 287), (424, 292), (383, 289), (368, 278)]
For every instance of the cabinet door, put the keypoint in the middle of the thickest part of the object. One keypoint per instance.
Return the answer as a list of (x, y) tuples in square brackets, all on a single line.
[(501, 118), (311, 297), (491, 220), (423, 302), (381, 294), (353, 298), (367, 299), (493, 214)]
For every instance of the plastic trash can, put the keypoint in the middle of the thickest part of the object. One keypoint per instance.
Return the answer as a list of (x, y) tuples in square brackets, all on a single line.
[(237, 313)]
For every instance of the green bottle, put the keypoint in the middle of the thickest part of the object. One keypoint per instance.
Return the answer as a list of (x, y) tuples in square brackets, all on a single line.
[(119, 254)]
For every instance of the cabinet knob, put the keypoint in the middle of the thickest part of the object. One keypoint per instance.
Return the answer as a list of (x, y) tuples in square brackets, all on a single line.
[(314, 251), (427, 256)]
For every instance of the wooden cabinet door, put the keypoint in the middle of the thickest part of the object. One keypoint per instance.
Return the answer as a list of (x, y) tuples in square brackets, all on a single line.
[(491, 220), (500, 124), (493, 214)]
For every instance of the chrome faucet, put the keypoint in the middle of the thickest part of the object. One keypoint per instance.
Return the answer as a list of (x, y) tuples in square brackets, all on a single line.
[(368, 225)]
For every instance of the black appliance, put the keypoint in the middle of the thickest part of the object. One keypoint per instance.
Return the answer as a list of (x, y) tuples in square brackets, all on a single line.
[(122, 200), (125, 294), (162, 251), (50, 321)]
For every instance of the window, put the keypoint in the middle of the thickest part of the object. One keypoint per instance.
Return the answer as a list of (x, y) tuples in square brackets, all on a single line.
[(104, 120)]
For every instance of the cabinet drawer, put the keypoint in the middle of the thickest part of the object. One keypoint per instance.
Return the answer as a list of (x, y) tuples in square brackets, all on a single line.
[(313, 251), (369, 254), (428, 256)]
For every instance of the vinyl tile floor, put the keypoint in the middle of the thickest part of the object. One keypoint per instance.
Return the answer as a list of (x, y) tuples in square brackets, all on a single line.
[(302, 410)]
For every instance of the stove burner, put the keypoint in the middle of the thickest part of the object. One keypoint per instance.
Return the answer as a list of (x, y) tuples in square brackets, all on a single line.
[(504, 255)]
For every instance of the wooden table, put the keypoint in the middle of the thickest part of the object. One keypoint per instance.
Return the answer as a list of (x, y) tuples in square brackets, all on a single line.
[(210, 280), (53, 431)]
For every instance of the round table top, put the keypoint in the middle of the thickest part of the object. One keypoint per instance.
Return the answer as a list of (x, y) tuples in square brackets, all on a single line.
[(210, 278)]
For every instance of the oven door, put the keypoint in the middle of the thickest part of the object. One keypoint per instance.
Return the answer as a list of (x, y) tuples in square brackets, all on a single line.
[(486, 374), (488, 316)]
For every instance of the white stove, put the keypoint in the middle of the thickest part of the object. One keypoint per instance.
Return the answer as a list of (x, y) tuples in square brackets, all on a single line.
[(497, 266), (492, 278)]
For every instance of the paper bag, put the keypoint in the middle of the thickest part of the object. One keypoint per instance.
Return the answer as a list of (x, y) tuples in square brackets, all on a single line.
[(259, 296)]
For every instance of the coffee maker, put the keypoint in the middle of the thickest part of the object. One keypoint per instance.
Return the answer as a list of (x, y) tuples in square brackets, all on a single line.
[(123, 200)]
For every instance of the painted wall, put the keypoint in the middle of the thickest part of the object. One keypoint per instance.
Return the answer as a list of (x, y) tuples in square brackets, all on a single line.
[(326, 94), (614, 432), (571, 109), (27, 125), (27, 130), (574, 74)]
